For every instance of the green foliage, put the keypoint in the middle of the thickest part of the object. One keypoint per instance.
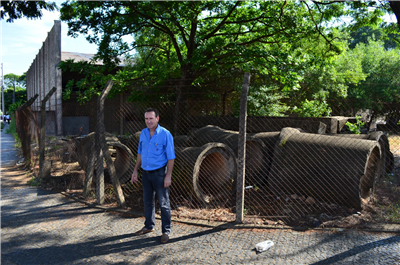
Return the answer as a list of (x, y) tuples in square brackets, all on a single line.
[(365, 34), (90, 81), (379, 78), (20, 98), (313, 108), (394, 213), (11, 10), (13, 107), (355, 128), (33, 182), (264, 101), (13, 80), (177, 43), (291, 47), (12, 128)]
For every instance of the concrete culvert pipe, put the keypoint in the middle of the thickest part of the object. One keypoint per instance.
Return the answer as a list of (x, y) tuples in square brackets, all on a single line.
[(328, 168), (387, 159), (206, 173), (181, 140), (123, 159), (255, 161), (269, 139)]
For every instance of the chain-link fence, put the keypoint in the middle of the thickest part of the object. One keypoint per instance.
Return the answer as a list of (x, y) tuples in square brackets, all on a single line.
[(298, 171)]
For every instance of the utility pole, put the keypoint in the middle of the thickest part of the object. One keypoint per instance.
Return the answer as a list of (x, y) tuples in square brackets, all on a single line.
[(2, 88)]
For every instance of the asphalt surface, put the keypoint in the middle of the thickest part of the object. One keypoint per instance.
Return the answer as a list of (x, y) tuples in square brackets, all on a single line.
[(41, 227), (8, 151)]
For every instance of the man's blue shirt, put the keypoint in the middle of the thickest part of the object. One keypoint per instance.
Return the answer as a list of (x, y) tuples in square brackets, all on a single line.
[(156, 151)]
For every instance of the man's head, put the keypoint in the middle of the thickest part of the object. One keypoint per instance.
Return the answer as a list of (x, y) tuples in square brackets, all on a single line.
[(151, 117)]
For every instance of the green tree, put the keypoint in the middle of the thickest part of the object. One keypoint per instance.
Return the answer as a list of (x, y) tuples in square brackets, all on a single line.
[(395, 7), (20, 98), (378, 71), (11, 10), (13, 81), (179, 44), (363, 34)]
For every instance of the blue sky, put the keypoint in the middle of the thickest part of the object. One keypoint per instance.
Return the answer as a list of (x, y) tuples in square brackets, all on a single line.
[(22, 40)]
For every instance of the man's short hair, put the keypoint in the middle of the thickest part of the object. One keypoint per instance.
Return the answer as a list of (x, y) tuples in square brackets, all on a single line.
[(151, 110)]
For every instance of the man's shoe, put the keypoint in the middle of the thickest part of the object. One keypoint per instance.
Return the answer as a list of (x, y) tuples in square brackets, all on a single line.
[(164, 238), (143, 231)]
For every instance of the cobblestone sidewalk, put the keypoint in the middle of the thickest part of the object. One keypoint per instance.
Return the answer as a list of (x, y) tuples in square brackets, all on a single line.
[(39, 227)]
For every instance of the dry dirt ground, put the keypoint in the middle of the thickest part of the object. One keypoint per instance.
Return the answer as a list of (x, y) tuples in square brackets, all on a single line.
[(67, 176), (15, 177)]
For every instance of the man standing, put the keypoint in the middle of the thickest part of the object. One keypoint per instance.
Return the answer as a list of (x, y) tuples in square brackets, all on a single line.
[(156, 157)]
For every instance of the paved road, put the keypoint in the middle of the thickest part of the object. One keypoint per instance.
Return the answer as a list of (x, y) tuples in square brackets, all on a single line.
[(8, 151), (40, 227)]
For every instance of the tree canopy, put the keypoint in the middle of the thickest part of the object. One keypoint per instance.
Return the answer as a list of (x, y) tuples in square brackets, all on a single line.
[(192, 38), (12, 10), (183, 45), (13, 80)]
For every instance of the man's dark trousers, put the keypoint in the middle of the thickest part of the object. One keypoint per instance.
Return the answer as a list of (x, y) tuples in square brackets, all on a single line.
[(153, 184)]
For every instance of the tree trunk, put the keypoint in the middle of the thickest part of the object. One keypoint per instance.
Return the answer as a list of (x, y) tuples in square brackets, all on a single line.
[(395, 5), (182, 90)]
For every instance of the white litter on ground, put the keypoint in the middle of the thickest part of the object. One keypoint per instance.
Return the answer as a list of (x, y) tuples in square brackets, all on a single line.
[(263, 246)]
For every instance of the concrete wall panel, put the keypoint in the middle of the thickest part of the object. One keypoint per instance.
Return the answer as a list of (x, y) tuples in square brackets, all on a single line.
[(43, 75)]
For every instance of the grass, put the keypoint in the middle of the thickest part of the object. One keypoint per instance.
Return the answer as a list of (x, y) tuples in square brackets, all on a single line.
[(12, 128), (34, 183), (393, 213), (387, 199)]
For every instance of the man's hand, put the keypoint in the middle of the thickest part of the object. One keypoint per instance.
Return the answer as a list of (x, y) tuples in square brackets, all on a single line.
[(134, 176), (167, 180), (135, 170)]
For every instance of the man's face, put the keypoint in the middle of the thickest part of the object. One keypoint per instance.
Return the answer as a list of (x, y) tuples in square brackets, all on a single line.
[(151, 120)]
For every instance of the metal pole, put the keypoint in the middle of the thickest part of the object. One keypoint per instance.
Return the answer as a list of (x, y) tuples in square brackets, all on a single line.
[(2, 89)]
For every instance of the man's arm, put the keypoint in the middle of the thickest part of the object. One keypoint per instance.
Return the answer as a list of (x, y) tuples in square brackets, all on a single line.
[(168, 176), (135, 170)]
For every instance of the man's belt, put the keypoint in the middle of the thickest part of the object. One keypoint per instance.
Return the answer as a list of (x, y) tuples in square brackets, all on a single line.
[(161, 169)]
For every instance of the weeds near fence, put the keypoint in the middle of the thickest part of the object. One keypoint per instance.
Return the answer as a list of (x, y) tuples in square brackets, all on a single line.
[(356, 127), (13, 130), (34, 182), (394, 213)]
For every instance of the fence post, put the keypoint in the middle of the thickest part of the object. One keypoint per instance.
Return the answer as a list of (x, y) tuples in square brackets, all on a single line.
[(99, 166), (103, 147), (89, 171), (121, 113), (241, 160), (23, 127), (44, 168)]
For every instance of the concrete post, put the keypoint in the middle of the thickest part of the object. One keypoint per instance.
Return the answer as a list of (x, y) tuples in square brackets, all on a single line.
[(242, 150)]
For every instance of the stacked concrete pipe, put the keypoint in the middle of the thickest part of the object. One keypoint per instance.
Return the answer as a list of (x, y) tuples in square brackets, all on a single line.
[(206, 173), (387, 159), (123, 159), (327, 168), (256, 168), (269, 139)]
